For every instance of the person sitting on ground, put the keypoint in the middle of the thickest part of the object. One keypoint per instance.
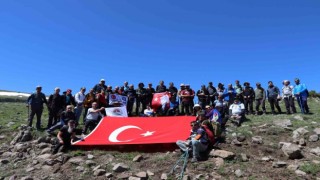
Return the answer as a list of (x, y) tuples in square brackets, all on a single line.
[(221, 105), (66, 136), (65, 117), (148, 112), (196, 109), (199, 143), (173, 107), (87, 103), (184, 145), (237, 112), (93, 117)]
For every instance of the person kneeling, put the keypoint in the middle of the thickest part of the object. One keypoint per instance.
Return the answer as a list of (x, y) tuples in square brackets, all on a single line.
[(93, 117), (66, 136)]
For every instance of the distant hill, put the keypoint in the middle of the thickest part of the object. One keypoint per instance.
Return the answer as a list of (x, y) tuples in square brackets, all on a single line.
[(12, 96)]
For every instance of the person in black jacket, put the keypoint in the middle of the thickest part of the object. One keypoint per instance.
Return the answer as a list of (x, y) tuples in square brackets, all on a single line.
[(55, 107), (68, 99), (273, 93), (65, 117), (36, 101), (161, 87), (248, 97)]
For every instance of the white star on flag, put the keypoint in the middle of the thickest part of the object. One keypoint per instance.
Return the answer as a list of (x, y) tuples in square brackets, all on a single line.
[(148, 133)]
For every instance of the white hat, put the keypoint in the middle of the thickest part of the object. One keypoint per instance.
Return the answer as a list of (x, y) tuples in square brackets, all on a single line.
[(196, 105), (102, 80)]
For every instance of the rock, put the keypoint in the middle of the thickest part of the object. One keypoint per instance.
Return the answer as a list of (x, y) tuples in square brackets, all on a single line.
[(80, 168), (27, 178), (315, 161), (138, 158), (35, 162), (109, 175), (90, 156), (186, 177), (120, 167), (236, 142), (279, 164), (244, 157), (219, 162), (313, 138), (216, 176), (2, 137), (76, 160), (10, 124), (27, 136), (44, 139), (46, 151), (123, 176), (4, 161), (142, 175), (99, 172), (43, 157), (134, 178), (257, 140), (21, 147), (222, 154), (150, 173), (292, 151), (266, 159), (90, 163), (299, 132), (30, 169), (14, 177), (298, 117), (7, 154), (281, 144), (241, 138), (238, 173), (96, 168), (317, 131), (292, 167), (43, 145), (164, 176), (315, 151), (302, 142), (199, 176), (283, 123), (300, 173)]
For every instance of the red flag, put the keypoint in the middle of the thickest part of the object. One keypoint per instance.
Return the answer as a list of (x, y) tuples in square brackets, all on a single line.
[(139, 130), (160, 99)]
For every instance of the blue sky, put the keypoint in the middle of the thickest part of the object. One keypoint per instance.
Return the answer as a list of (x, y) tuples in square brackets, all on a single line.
[(75, 43)]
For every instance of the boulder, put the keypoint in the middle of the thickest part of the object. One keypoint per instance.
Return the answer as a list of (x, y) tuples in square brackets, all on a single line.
[(313, 138), (222, 154), (283, 123), (99, 172), (142, 175), (27, 136), (241, 138), (298, 117), (244, 157), (279, 164), (90, 156), (109, 175), (299, 132), (90, 163), (292, 151), (292, 167), (315, 151), (138, 158), (317, 131), (238, 173), (46, 151), (219, 162), (164, 176), (257, 140), (150, 173), (300, 173), (76, 160)]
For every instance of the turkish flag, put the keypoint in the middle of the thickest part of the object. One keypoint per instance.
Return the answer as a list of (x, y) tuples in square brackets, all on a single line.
[(160, 100), (138, 131)]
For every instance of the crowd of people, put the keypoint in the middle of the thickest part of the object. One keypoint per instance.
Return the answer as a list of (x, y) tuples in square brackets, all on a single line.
[(216, 104)]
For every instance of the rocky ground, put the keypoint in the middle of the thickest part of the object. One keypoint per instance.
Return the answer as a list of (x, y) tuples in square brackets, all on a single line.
[(264, 147)]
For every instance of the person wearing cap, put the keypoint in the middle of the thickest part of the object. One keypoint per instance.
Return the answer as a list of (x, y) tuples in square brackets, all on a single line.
[(55, 107), (132, 95), (260, 98), (273, 95), (161, 87), (35, 101), (100, 86), (203, 96), (212, 93), (248, 97), (300, 91), (66, 136), (196, 109), (79, 99), (237, 112), (287, 93), (150, 91)]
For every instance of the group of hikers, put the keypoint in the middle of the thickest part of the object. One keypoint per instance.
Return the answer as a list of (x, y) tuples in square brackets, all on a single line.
[(216, 104)]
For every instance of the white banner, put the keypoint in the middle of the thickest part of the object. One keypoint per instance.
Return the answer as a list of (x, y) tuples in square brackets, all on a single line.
[(117, 111), (116, 98)]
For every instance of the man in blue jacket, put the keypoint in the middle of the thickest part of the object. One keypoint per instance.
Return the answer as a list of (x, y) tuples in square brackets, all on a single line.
[(300, 91)]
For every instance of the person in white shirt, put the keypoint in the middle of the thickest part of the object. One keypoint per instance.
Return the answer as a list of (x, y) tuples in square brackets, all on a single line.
[(287, 92), (237, 112), (93, 116), (79, 98), (148, 112)]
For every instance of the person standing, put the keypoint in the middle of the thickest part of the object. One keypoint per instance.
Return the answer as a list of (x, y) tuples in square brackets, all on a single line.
[(260, 98), (150, 91), (101, 86), (36, 101), (248, 97), (55, 107), (273, 94), (141, 98), (287, 92), (239, 90), (161, 87), (212, 93), (79, 99), (300, 91), (203, 95)]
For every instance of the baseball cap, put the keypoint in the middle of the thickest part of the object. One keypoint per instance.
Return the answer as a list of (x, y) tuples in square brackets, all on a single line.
[(102, 80)]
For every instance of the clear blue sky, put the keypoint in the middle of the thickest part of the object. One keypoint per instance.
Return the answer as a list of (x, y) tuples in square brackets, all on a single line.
[(75, 43)]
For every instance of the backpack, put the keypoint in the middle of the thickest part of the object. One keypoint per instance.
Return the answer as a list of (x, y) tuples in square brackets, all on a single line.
[(210, 134)]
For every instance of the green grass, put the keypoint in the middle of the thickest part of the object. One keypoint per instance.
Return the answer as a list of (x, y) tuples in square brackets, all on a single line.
[(310, 168)]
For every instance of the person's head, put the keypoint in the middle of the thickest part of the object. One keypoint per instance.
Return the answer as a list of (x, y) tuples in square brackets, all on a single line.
[(196, 107), (203, 87), (182, 86), (236, 101), (69, 108), (116, 88), (229, 86), (94, 105), (72, 125), (141, 85), (57, 90), (69, 91), (210, 83), (286, 82), (125, 83), (208, 108), (246, 84), (270, 83), (297, 81), (149, 85), (161, 83), (258, 85), (109, 87), (38, 88), (122, 88), (102, 81), (237, 82), (82, 89), (91, 91), (131, 86), (220, 85), (220, 97), (187, 86), (195, 125)]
